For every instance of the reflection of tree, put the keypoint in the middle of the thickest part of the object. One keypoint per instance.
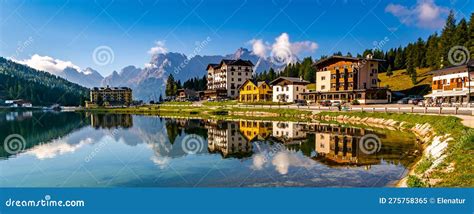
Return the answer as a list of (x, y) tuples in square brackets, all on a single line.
[(41, 127), (172, 130), (111, 120)]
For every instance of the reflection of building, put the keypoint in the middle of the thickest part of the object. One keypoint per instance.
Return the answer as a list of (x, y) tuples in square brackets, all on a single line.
[(110, 96), (224, 79), (255, 130), (225, 138), (252, 91), (111, 120), (288, 89), (339, 145), (289, 132), (340, 78), (453, 84)]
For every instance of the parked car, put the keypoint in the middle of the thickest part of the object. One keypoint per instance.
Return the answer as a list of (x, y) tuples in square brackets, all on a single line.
[(301, 102), (325, 103), (336, 103), (403, 100)]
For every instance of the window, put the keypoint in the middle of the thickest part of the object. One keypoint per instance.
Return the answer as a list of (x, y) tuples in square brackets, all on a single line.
[(323, 87), (297, 89), (323, 78), (374, 81), (239, 79), (277, 88)]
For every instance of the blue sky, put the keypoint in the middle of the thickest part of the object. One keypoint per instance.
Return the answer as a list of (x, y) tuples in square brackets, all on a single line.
[(72, 30)]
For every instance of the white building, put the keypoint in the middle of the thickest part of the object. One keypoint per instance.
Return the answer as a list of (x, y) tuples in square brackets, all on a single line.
[(289, 132), (453, 84), (288, 89), (225, 78)]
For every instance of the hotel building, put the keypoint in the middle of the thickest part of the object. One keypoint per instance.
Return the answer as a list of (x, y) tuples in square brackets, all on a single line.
[(224, 79), (110, 96), (340, 78)]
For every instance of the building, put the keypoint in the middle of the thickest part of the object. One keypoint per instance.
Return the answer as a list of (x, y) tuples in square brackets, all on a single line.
[(224, 79), (453, 85), (226, 139), (290, 133), (255, 130), (187, 94), (251, 91), (340, 78), (288, 89), (110, 96), (19, 103)]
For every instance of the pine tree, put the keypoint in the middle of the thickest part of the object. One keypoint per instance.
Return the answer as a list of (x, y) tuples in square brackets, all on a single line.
[(447, 37), (462, 34), (171, 86), (389, 71), (471, 35), (399, 62), (433, 58)]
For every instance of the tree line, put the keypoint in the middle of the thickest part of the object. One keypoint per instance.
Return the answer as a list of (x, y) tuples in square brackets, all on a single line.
[(18, 81)]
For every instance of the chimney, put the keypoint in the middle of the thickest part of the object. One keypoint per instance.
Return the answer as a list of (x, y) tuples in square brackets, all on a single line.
[(301, 78), (369, 56)]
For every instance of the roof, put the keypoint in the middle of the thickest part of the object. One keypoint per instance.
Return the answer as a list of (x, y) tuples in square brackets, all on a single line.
[(355, 59), (256, 83), (468, 64), (237, 62), (111, 88), (291, 79)]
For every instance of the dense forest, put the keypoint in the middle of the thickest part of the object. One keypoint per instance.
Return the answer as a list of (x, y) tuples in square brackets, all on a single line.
[(18, 81)]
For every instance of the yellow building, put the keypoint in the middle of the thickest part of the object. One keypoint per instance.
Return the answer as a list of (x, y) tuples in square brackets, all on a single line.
[(255, 130), (252, 91)]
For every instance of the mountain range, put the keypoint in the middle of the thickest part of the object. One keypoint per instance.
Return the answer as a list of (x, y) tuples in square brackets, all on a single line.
[(148, 83)]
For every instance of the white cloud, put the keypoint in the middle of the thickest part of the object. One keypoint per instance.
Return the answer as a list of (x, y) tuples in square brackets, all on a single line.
[(425, 14), (56, 147), (47, 63), (282, 49), (258, 47), (159, 48)]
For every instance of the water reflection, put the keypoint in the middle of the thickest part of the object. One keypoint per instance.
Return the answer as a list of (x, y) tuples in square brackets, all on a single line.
[(227, 153)]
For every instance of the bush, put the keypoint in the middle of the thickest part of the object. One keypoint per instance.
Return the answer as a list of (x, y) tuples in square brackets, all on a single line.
[(414, 181), (355, 102)]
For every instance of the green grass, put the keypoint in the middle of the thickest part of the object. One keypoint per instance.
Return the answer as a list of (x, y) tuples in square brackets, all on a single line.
[(414, 181), (177, 103), (220, 103), (424, 165), (401, 81)]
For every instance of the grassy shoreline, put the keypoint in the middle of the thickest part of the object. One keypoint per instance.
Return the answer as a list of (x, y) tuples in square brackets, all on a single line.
[(460, 151)]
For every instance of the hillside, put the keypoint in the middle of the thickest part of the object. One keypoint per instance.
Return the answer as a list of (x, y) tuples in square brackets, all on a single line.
[(18, 81), (400, 81)]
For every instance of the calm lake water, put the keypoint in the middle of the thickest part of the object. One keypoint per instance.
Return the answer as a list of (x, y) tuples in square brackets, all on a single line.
[(120, 150)]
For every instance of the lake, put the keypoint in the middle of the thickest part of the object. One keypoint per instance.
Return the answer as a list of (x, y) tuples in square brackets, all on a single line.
[(68, 149)]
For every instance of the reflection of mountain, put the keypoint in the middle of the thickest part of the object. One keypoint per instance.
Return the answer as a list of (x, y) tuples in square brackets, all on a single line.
[(40, 127)]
